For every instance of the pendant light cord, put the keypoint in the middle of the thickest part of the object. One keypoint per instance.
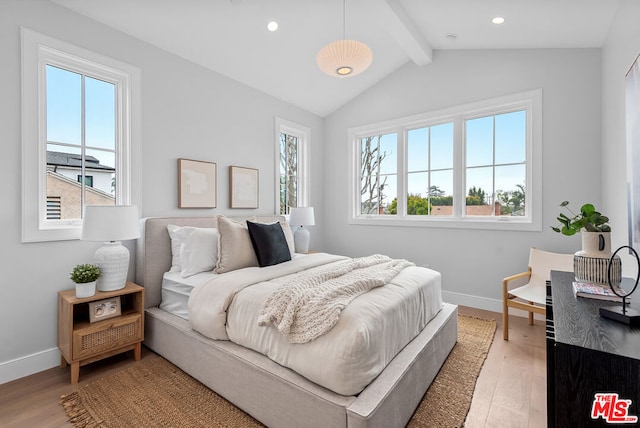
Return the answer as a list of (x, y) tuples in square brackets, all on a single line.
[(344, 26)]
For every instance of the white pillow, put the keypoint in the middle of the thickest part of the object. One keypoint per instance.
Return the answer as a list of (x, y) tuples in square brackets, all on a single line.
[(178, 235), (199, 253)]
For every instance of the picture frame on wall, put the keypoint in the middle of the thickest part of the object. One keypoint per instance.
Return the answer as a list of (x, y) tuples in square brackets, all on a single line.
[(196, 184), (243, 187), (104, 309)]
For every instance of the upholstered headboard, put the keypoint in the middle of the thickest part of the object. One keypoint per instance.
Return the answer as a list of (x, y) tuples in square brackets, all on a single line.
[(153, 250)]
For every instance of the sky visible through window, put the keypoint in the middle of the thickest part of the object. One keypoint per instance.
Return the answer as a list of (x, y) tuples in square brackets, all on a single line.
[(430, 151), (64, 114)]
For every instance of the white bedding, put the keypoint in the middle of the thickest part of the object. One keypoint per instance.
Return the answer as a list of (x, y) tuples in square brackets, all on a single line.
[(176, 291), (371, 330)]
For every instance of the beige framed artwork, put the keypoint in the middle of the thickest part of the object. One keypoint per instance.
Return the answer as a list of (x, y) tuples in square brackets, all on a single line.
[(243, 187), (196, 184)]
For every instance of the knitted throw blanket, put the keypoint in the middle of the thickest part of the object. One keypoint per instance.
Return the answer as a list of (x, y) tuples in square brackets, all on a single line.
[(309, 305)]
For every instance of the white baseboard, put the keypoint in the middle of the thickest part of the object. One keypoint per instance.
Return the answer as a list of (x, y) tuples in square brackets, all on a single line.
[(29, 364), (493, 305)]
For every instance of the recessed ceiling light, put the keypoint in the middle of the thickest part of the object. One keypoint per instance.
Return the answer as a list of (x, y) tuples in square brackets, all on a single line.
[(451, 36), (272, 26), (498, 20)]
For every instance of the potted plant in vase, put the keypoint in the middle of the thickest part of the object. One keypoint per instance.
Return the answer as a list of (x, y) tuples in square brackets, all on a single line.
[(591, 263), (85, 277)]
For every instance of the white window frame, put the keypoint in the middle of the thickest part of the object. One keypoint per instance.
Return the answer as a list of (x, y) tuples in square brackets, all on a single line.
[(303, 134), (39, 50), (531, 101)]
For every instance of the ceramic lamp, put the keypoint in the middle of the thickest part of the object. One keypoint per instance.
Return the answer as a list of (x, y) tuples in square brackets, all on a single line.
[(111, 224), (302, 216)]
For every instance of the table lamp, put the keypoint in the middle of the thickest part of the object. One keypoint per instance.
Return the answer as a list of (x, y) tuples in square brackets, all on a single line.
[(111, 224), (302, 216)]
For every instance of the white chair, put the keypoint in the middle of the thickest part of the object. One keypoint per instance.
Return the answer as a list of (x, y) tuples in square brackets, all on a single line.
[(531, 297)]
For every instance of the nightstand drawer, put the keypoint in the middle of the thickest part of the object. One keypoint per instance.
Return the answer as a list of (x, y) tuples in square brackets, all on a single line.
[(107, 335)]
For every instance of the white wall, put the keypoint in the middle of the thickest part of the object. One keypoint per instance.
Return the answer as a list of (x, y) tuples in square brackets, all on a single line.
[(473, 262), (619, 52), (187, 111)]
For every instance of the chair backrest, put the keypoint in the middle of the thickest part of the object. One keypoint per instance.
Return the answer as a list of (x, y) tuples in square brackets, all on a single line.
[(542, 263)]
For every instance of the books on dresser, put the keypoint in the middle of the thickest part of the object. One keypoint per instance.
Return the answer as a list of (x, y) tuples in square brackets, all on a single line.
[(597, 291)]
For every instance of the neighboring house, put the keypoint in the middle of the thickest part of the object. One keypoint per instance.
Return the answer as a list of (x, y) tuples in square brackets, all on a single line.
[(64, 190)]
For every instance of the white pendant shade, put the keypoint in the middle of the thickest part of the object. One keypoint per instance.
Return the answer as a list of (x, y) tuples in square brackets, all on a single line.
[(344, 58)]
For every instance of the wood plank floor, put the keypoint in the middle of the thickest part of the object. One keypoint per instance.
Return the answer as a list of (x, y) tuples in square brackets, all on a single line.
[(510, 392)]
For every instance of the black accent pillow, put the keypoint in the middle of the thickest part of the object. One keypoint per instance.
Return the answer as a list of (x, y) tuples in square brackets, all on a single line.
[(269, 243)]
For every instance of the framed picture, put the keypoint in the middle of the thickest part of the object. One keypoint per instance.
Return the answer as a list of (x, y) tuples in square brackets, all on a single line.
[(104, 309), (196, 184), (243, 183)]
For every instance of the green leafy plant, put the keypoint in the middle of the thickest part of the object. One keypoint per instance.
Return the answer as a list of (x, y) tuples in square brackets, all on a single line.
[(85, 273), (588, 219)]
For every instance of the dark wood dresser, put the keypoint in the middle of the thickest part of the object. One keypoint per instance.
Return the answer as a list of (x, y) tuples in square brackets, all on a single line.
[(587, 354)]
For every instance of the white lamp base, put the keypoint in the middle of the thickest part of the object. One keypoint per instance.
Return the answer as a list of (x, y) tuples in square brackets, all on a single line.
[(301, 239), (113, 260)]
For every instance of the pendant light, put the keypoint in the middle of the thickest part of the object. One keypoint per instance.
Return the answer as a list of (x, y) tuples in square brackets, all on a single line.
[(344, 58)]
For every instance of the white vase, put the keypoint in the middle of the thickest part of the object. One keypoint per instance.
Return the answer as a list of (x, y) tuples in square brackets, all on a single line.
[(595, 244), (591, 264), (86, 289)]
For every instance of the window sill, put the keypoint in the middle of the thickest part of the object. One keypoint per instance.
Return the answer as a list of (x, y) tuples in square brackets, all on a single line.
[(501, 223)]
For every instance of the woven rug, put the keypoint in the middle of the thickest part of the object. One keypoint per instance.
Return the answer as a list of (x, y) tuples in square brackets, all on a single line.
[(155, 393)]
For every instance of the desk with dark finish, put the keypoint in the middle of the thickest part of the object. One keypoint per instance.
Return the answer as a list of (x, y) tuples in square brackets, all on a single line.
[(587, 354)]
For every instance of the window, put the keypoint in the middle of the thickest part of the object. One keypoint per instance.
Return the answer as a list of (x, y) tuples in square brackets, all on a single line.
[(291, 166), (78, 135), (473, 166), (88, 181)]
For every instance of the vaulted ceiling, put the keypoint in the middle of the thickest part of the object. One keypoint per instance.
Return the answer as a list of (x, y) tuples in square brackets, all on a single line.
[(231, 36)]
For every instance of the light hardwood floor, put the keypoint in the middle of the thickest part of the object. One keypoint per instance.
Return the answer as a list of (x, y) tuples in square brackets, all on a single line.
[(510, 392)]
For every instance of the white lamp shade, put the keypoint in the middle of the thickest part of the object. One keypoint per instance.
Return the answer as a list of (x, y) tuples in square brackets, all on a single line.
[(302, 216), (110, 223), (344, 58)]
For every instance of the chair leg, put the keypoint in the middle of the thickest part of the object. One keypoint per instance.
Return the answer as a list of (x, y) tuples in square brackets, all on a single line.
[(505, 321), (530, 316)]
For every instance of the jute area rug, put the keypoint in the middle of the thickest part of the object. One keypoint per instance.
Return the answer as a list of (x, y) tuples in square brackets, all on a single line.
[(155, 393)]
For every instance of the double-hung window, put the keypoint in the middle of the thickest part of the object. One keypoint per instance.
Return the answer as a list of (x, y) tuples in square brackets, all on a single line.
[(78, 135), (292, 142), (472, 166)]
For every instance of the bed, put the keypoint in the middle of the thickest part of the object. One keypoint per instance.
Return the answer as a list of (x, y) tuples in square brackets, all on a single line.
[(276, 395)]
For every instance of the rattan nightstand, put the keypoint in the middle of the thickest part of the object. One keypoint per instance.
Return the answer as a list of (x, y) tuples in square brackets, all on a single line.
[(82, 342)]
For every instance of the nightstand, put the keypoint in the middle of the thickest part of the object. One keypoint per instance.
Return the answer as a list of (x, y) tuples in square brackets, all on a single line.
[(82, 342)]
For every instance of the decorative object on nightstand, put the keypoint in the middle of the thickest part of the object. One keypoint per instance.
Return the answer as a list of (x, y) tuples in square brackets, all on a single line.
[(85, 277), (591, 264), (301, 216), (111, 224)]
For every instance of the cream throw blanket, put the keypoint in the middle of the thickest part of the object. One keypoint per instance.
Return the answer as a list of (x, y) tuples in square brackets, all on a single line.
[(309, 305)]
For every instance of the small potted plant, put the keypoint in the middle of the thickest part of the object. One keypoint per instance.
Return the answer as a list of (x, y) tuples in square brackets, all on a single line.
[(589, 219), (85, 276), (591, 263)]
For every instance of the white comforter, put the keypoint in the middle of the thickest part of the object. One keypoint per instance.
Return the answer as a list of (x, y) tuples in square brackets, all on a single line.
[(371, 330)]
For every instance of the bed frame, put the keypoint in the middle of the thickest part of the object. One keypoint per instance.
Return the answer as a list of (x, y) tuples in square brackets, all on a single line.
[(273, 394)]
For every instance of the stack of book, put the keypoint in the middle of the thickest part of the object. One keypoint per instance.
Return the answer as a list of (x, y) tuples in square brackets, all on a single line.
[(598, 291)]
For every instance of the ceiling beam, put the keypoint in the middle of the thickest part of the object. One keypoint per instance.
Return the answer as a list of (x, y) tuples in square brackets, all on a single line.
[(397, 23)]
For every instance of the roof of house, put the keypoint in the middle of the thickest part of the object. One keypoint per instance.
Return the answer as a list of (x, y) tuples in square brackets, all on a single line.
[(73, 160)]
